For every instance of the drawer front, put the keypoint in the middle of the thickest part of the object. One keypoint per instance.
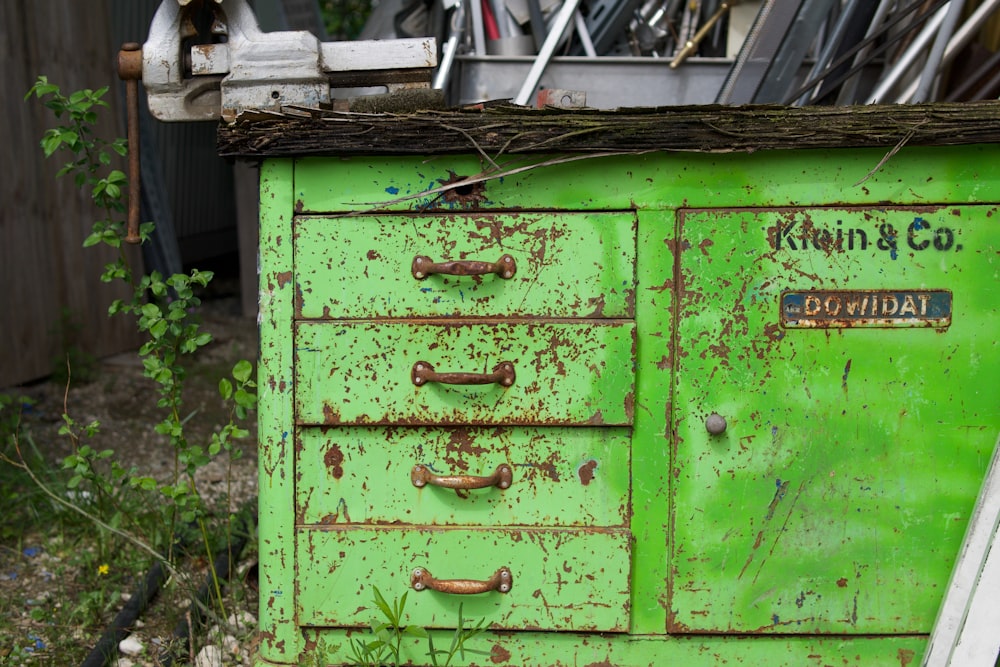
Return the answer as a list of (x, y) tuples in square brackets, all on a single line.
[(563, 372), (561, 579), (564, 265), (558, 476)]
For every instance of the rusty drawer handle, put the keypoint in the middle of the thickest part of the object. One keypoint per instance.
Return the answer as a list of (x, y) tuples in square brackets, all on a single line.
[(502, 375), (501, 581), (501, 478), (424, 266)]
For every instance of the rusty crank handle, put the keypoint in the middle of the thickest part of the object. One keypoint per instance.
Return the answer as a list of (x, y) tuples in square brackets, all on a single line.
[(423, 372), (501, 581), (130, 71), (424, 266), (501, 478)]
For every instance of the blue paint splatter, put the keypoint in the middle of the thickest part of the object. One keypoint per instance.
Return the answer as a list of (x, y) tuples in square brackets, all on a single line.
[(775, 619), (392, 190), (31, 552)]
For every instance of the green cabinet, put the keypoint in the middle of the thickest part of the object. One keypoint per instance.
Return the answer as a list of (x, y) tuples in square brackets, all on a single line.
[(640, 409)]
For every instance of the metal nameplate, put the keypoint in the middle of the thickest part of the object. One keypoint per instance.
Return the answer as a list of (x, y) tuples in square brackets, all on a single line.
[(834, 309)]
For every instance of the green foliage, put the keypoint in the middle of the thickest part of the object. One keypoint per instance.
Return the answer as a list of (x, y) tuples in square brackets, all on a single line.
[(385, 643), (163, 308), (344, 19)]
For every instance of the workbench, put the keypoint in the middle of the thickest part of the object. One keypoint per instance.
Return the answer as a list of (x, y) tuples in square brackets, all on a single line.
[(690, 386)]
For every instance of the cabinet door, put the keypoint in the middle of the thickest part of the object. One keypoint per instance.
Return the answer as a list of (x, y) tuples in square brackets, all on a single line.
[(852, 355)]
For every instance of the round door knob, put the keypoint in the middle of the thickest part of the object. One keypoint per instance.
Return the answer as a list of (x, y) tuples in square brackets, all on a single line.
[(715, 424)]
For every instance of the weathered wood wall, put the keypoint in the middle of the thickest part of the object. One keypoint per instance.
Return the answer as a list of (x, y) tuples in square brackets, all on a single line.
[(44, 270)]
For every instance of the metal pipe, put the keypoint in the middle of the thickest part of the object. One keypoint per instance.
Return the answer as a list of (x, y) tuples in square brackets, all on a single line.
[(929, 74), (829, 48), (883, 46), (907, 58), (580, 25), (559, 26), (850, 88), (958, 41), (130, 70), (965, 91)]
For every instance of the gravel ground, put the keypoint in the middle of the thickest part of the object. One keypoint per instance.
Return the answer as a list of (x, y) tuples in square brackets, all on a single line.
[(124, 403)]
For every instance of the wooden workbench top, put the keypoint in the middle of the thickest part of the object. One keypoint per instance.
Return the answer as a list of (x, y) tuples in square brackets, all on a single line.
[(504, 128)]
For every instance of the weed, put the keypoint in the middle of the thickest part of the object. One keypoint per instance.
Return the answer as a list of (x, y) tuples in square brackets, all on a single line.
[(137, 516), (385, 643)]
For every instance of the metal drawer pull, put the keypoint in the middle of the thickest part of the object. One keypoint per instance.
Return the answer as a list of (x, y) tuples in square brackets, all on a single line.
[(501, 581), (501, 478), (424, 266), (502, 375)]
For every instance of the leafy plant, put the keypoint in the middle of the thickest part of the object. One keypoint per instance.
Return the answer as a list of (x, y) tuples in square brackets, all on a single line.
[(164, 309), (384, 646)]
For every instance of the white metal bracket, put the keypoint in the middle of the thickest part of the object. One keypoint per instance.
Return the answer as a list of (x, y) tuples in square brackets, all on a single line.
[(206, 73), (967, 630)]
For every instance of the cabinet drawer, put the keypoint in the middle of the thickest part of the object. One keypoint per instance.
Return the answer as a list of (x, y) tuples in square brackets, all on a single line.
[(564, 372), (559, 476), (561, 579), (564, 265)]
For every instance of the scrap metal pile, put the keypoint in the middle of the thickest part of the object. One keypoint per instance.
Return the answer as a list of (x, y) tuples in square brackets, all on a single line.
[(616, 53)]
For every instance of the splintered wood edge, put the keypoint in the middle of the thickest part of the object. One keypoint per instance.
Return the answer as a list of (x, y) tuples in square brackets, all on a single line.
[(504, 128)]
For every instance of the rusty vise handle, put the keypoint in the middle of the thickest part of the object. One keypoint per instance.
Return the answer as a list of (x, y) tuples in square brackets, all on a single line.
[(502, 375), (501, 478), (424, 266), (501, 581), (130, 71)]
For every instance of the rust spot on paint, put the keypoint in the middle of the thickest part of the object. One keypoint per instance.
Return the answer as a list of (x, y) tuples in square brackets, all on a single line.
[(499, 654), (299, 206), (284, 278), (334, 460), (905, 656), (329, 416), (468, 195), (842, 582), (598, 304), (586, 472)]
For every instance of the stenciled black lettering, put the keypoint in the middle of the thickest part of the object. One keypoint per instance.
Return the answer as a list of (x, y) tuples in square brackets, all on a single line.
[(888, 239), (911, 234), (785, 232), (862, 239), (944, 238)]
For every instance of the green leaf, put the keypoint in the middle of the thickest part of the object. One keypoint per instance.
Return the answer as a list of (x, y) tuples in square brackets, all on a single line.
[(245, 399), (158, 328), (383, 605), (242, 370), (225, 389)]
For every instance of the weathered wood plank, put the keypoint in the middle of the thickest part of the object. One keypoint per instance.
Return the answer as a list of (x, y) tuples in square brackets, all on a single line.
[(505, 128), (52, 297)]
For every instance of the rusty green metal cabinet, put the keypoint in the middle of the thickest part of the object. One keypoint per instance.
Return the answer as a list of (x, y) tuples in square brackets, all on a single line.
[(724, 409)]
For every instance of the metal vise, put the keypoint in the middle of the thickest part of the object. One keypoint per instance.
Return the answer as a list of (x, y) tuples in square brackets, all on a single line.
[(208, 59)]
